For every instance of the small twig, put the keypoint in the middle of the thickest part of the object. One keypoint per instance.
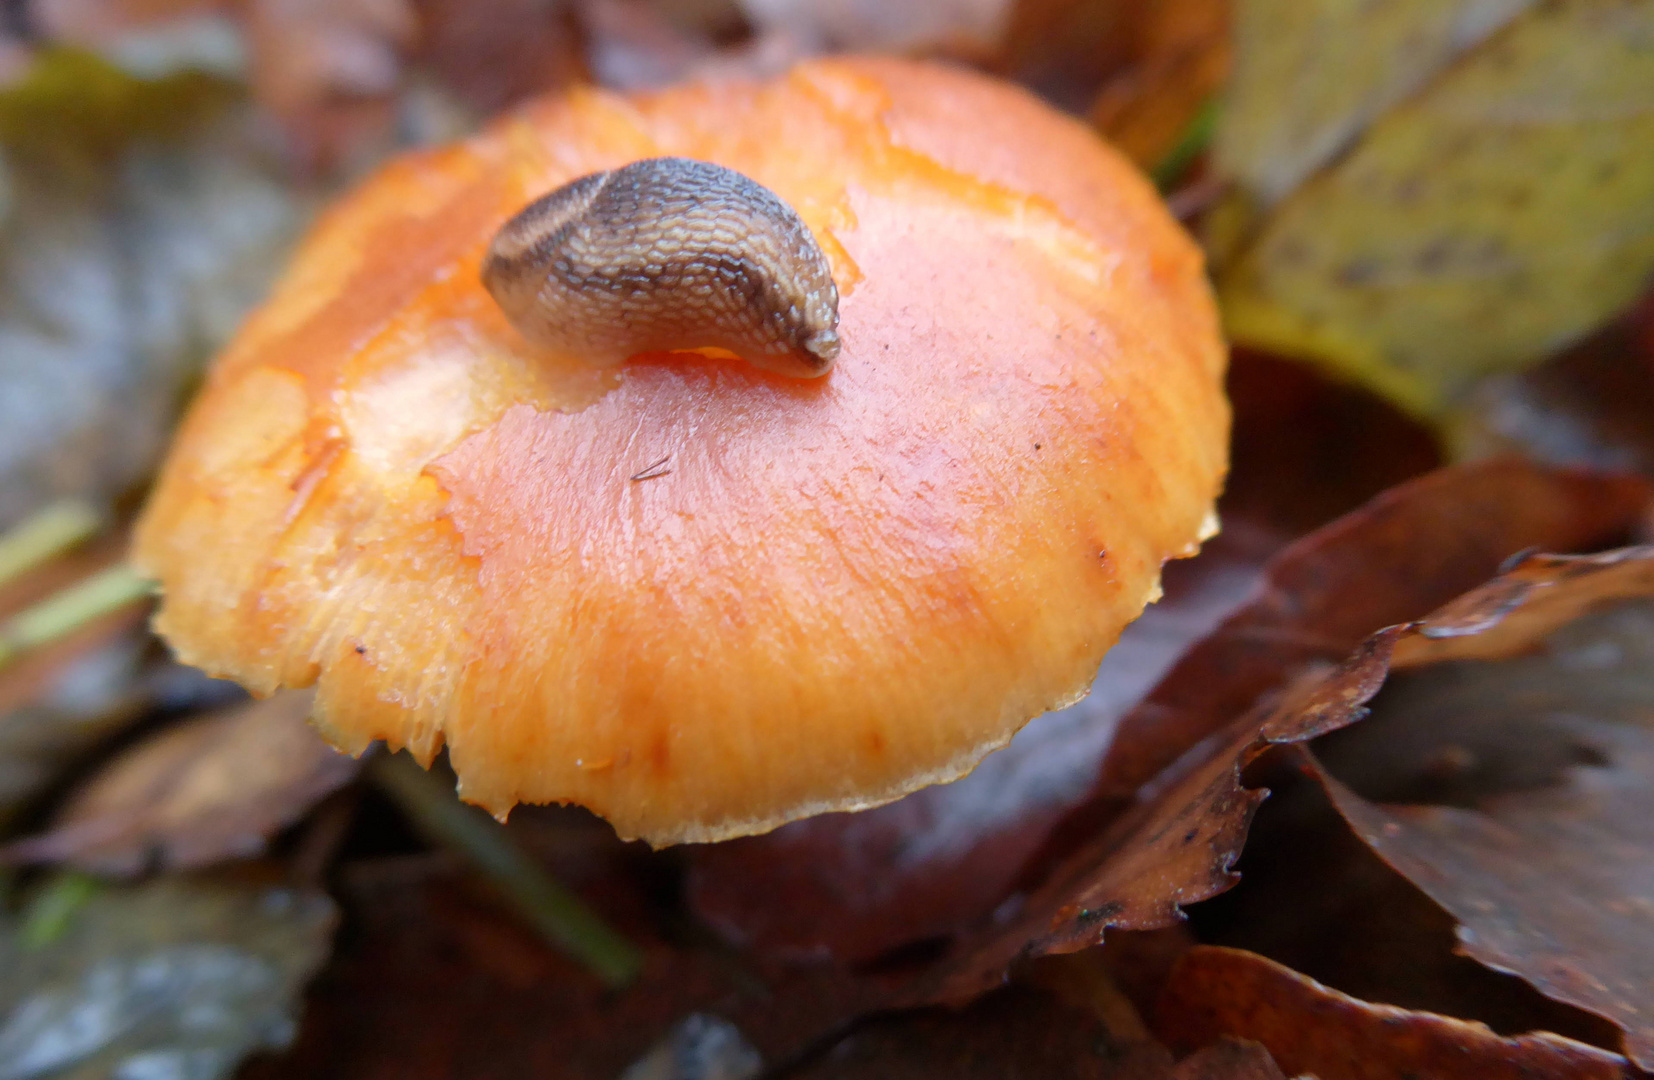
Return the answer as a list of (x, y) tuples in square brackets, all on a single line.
[(50, 532), (550, 907), (649, 473), (65, 612)]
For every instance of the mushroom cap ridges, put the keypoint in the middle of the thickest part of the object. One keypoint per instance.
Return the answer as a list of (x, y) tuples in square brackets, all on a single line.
[(836, 591)]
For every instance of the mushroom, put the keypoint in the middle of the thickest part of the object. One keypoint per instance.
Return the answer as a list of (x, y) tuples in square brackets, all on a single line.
[(689, 592)]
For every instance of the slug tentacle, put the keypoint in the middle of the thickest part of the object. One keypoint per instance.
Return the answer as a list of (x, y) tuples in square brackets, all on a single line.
[(667, 253)]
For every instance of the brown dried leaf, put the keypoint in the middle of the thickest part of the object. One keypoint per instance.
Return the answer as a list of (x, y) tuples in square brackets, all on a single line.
[(1316, 899), (1178, 842), (308, 51), (1306, 450), (1141, 71), (1311, 1029), (1526, 721), (202, 791), (1410, 550), (60, 701), (1065, 50), (1176, 846)]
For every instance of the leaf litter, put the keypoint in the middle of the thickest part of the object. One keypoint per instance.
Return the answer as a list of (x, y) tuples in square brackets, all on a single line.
[(1121, 812), (1356, 926), (210, 789), (1313, 1030), (1177, 842), (143, 221), (1466, 195), (1513, 782), (180, 977)]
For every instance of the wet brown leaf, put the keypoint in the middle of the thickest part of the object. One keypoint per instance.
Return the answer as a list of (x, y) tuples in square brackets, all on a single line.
[(1508, 771), (59, 702), (1311, 1029), (1178, 842), (1413, 548), (1306, 450), (1316, 899), (1229, 1059), (1176, 846), (1066, 50), (1142, 72), (439, 983), (209, 789), (1024, 1031)]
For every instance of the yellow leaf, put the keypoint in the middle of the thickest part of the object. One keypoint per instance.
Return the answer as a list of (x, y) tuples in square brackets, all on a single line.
[(1415, 240)]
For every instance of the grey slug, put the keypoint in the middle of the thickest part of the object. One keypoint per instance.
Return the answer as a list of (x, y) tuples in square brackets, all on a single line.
[(667, 253)]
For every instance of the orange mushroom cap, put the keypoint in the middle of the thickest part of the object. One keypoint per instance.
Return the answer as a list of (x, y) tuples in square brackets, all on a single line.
[(699, 598)]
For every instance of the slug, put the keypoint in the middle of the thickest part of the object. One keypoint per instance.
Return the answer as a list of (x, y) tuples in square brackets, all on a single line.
[(667, 253)]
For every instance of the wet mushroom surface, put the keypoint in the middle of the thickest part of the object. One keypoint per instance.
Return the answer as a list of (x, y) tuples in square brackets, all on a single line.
[(695, 596)]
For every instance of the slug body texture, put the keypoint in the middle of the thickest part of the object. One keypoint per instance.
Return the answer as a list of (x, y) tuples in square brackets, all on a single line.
[(667, 253)]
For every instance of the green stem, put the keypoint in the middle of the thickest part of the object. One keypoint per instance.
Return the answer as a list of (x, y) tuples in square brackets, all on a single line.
[(53, 530), (1191, 143), (551, 908), (65, 612), (53, 908)]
